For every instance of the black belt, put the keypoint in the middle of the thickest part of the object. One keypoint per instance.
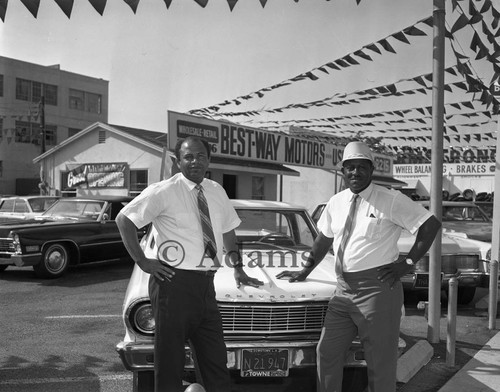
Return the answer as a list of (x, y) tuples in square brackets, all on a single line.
[(199, 272)]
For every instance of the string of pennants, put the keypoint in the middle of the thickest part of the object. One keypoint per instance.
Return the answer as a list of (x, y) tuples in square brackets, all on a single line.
[(473, 82), (314, 74), (100, 5), (473, 85)]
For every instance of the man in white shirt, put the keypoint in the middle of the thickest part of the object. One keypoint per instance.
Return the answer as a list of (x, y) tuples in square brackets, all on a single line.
[(181, 286), (364, 223)]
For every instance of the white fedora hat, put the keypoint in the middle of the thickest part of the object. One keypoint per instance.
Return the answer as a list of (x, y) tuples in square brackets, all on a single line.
[(356, 150)]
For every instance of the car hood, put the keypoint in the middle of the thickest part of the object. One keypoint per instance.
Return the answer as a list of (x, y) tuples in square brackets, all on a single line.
[(474, 230), (449, 244), (319, 285), (16, 224)]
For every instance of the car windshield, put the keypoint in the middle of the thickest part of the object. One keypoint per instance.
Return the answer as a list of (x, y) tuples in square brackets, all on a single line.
[(285, 228), (463, 213), (71, 208), (42, 203)]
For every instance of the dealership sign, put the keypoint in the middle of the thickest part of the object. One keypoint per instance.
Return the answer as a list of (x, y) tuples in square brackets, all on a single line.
[(240, 142), (98, 175), (450, 169)]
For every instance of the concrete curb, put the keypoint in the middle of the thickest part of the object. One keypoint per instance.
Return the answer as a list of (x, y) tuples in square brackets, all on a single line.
[(413, 360)]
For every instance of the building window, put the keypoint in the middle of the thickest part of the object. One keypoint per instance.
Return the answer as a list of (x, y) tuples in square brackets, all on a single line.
[(84, 101), (50, 135), (28, 132), (138, 181), (93, 103), (1, 169), (1, 85), (257, 188), (28, 90)]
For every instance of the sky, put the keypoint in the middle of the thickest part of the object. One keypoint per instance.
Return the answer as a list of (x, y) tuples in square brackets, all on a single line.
[(187, 57)]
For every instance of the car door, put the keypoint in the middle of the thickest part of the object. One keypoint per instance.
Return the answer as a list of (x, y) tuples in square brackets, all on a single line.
[(103, 240)]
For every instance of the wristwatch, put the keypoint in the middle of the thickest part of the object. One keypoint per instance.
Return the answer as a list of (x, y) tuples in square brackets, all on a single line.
[(409, 261)]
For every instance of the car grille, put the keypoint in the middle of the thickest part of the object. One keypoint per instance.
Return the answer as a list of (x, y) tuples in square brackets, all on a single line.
[(6, 245), (275, 318)]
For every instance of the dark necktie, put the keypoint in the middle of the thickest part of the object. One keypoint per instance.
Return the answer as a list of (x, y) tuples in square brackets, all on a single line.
[(206, 224), (345, 237)]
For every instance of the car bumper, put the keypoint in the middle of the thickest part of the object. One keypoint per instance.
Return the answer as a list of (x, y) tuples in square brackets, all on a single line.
[(20, 261), (420, 281), (139, 356)]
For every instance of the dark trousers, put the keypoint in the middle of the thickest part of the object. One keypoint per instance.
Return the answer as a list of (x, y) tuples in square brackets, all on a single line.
[(361, 305), (185, 308)]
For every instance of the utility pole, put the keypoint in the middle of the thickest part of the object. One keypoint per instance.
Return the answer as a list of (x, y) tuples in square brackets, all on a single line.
[(42, 121), (437, 170)]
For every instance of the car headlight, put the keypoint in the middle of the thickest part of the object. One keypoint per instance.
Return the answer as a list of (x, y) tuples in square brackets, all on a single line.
[(16, 243), (141, 318), (488, 255)]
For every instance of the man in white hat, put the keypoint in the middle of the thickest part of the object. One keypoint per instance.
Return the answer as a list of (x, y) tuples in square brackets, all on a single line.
[(364, 223)]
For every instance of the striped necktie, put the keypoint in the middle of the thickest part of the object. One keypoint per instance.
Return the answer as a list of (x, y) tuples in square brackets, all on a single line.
[(206, 224), (345, 237)]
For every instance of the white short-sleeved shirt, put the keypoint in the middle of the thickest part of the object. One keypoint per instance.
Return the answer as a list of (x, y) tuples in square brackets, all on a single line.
[(381, 215), (172, 207)]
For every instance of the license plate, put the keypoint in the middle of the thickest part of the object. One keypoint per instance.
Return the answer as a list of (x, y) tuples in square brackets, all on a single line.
[(422, 281), (265, 362)]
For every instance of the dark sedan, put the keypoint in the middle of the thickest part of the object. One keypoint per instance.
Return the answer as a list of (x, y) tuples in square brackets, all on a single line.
[(72, 231)]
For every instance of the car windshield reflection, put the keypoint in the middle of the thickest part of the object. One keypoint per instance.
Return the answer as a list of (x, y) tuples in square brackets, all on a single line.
[(460, 213), (288, 229), (75, 209)]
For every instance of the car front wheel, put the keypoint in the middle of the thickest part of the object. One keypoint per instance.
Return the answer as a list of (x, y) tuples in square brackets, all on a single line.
[(54, 263)]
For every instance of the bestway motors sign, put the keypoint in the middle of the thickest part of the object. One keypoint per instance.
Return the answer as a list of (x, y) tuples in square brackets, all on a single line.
[(241, 142)]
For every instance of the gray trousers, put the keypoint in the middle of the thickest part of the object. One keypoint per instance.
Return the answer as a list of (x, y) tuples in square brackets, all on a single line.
[(364, 306)]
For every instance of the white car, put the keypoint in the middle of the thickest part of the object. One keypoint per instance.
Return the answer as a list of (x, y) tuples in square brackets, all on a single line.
[(24, 207), (276, 325), (461, 257)]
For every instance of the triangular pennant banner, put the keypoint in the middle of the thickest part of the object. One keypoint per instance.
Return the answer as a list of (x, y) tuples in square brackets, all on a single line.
[(202, 3), (461, 22), (32, 6), (231, 3), (132, 4), (401, 37), (66, 6), (412, 30), (3, 9), (98, 5), (385, 44)]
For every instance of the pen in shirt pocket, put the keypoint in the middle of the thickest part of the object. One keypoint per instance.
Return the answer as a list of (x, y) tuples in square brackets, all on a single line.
[(378, 219)]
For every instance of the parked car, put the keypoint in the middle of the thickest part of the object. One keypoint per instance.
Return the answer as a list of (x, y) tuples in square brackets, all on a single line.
[(461, 257), (276, 325), (24, 207), (70, 232), (465, 217)]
